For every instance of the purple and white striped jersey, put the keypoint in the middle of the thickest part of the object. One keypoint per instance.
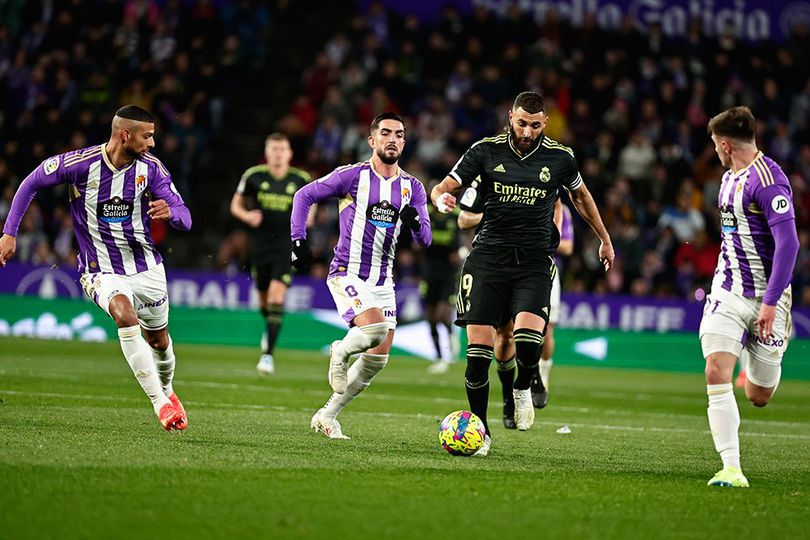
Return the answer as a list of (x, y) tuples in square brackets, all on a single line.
[(369, 207), (751, 202), (108, 207)]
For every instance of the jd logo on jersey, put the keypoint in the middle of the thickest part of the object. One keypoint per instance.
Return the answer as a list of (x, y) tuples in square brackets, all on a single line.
[(115, 210), (382, 215)]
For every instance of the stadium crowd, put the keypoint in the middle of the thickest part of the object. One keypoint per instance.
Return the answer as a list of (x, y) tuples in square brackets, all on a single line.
[(633, 105), (66, 66)]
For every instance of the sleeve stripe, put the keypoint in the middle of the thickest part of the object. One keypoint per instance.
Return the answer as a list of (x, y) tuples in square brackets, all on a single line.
[(156, 161), (576, 184), (455, 176), (765, 176)]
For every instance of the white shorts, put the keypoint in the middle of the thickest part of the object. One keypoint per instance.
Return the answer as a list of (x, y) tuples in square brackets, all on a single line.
[(146, 290), (554, 310), (730, 322), (353, 296)]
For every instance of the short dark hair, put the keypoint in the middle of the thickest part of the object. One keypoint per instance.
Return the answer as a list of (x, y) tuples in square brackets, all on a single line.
[(388, 115), (531, 102), (736, 123), (133, 112), (276, 136)]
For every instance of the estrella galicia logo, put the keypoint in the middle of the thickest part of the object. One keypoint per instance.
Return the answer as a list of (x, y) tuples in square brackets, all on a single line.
[(728, 221), (115, 210), (382, 214)]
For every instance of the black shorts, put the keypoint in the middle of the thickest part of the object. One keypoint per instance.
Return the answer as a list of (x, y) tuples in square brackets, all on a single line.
[(268, 269), (497, 283), (439, 283)]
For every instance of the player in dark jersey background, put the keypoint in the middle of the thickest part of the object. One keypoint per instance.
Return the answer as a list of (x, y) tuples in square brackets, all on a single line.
[(439, 280), (263, 201), (509, 271)]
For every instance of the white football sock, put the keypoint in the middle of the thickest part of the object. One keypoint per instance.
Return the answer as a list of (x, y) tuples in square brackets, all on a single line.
[(545, 370), (362, 338), (136, 351), (359, 377), (164, 362), (724, 422)]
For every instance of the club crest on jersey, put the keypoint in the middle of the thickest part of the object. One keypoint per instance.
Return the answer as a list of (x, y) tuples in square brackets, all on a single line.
[(406, 195), (383, 215), (140, 184), (290, 189), (545, 174), (264, 186), (51, 165), (115, 210)]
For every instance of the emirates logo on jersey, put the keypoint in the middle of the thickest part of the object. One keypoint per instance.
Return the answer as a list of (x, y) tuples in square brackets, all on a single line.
[(114, 210)]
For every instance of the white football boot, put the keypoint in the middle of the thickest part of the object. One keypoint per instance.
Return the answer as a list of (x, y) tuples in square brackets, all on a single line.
[(330, 428), (266, 366), (484, 450)]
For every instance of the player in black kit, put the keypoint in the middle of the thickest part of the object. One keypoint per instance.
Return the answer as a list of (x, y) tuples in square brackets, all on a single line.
[(509, 271), (263, 200)]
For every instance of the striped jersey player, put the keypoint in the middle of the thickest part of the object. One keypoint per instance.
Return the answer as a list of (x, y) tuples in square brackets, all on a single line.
[(750, 300), (115, 190), (376, 199)]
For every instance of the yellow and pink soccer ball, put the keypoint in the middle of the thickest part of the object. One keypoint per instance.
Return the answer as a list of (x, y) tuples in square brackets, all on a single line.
[(461, 433)]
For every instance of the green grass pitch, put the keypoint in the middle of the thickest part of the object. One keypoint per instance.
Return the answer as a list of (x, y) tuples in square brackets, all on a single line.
[(82, 455)]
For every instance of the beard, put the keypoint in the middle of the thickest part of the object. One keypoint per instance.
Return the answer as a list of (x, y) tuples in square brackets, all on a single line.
[(133, 153), (387, 159), (523, 144)]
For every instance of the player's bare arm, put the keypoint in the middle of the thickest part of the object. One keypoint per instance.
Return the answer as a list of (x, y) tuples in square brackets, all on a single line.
[(468, 220), (442, 194), (585, 205), (566, 246), (252, 218)]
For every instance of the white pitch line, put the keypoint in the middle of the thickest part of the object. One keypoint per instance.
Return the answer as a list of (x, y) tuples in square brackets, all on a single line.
[(284, 409)]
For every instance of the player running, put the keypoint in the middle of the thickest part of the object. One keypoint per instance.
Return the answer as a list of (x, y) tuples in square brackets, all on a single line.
[(472, 208), (116, 189), (750, 300), (509, 271), (375, 199), (268, 190)]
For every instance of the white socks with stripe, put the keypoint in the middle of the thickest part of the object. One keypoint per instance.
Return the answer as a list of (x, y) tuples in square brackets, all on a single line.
[(359, 377), (362, 338), (724, 422), (139, 358), (164, 362)]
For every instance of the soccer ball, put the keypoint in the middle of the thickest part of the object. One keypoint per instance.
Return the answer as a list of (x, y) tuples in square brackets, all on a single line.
[(461, 433)]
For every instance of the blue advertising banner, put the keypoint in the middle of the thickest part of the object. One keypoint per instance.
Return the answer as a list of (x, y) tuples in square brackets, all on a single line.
[(751, 20)]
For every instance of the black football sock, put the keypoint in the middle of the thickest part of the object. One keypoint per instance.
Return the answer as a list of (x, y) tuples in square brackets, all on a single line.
[(434, 333), (506, 373), (476, 380), (528, 344), (273, 315)]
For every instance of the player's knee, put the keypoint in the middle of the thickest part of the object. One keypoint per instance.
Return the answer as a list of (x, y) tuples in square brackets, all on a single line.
[(122, 312), (758, 397), (528, 345), (158, 340), (374, 334), (479, 358)]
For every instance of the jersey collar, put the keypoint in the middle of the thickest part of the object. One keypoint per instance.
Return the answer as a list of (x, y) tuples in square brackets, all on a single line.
[(745, 169), (381, 177), (517, 152), (109, 164)]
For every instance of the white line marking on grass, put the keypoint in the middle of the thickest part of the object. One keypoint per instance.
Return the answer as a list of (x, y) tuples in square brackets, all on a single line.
[(284, 409)]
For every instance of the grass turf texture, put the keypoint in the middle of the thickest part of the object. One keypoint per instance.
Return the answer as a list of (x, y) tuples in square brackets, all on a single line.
[(82, 455)]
